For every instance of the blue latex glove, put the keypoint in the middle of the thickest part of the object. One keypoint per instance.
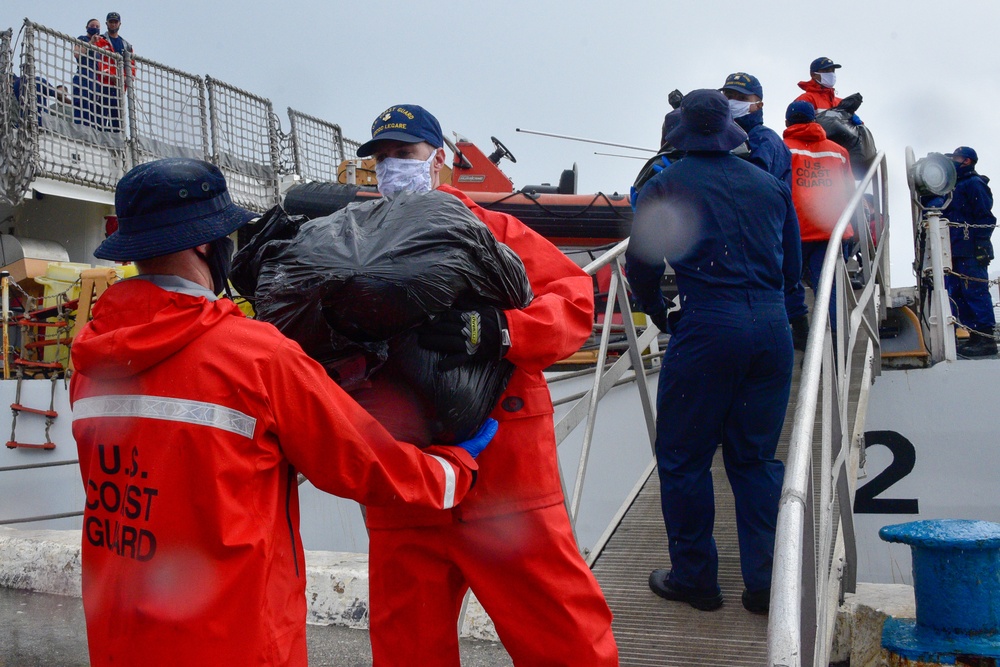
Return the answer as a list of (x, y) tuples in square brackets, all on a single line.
[(477, 443), (856, 120)]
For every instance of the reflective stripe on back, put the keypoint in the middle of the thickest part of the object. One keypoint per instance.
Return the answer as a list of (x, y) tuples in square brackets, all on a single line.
[(800, 151), (170, 409), (449, 483)]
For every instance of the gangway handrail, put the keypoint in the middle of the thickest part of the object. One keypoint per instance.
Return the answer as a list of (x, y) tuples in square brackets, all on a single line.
[(813, 562), (608, 376)]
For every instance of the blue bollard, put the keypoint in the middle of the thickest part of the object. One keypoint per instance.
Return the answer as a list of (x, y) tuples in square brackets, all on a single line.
[(956, 582)]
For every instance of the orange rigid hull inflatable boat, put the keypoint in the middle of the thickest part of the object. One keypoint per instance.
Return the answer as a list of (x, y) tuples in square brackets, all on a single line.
[(556, 212)]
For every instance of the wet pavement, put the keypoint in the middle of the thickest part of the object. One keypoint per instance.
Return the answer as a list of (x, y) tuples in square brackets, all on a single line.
[(38, 629)]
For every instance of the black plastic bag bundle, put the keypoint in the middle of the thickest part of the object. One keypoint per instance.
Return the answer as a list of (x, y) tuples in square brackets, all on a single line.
[(350, 288), (857, 139)]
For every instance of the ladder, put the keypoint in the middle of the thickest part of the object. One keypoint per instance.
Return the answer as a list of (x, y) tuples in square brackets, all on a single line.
[(35, 326)]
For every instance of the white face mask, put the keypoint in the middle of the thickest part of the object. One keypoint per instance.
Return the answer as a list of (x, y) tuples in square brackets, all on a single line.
[(740, 108), (828, 79), (404, 175)]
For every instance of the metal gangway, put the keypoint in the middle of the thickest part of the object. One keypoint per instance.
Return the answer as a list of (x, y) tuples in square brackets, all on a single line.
[(822, 440)]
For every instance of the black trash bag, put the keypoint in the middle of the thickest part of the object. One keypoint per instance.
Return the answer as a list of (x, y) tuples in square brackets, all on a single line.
[(274, 225), (351, 286), (857, 139)]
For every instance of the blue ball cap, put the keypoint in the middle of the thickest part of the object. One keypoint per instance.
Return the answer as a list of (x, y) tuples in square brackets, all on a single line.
[(964, 152), (741, 82), (822, 63), (706, 124), (170, 205), (800, 111), (408, 123)]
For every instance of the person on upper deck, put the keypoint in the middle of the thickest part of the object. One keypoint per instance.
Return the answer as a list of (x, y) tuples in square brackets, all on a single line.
[(971, 213), (87, 107), (767, 151), (109, 78), (730, 233), (511, 541), (192, 423)]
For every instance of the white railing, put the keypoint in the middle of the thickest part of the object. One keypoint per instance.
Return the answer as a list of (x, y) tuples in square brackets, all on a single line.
[(815, 558), (608, 376)]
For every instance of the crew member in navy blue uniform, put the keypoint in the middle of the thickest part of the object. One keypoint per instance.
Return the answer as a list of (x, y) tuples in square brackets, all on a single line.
[(119, 45), (769, 152), (971, 252), (730, 233)]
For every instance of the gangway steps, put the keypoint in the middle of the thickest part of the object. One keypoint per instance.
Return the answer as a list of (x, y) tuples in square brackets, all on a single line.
[(654, 632)]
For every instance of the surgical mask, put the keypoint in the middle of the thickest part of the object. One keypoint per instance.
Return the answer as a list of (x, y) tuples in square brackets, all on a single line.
[(828, 79), (740, 108), (93, 31), (403, 174)]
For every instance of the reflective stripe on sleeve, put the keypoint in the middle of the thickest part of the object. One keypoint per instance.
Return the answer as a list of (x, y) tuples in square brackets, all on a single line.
[(449, 483), (170, 409)]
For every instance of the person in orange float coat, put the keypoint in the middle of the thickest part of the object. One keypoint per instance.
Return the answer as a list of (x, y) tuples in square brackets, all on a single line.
[(822, 185), (191, 423), (511, 541), (819, 88)]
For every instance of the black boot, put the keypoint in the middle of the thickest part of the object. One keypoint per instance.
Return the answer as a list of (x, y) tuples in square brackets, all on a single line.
[(800, 332), (977, 346)]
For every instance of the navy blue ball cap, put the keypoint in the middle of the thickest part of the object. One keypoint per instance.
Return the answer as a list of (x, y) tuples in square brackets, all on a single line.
[(964, 152), (170, 205), (822, 63), (741, 82), (706, 124), (408, 123), (113, 16), (800, 111)]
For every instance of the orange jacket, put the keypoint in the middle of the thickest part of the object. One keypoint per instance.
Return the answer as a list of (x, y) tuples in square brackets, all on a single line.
[(819, 96), (822, 182), (191, 423), (519, 470)]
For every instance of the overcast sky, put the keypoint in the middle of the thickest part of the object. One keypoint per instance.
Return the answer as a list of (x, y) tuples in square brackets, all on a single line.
[(595, 69)]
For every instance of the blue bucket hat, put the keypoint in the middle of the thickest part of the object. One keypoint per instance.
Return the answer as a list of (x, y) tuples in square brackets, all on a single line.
[(822, 63), (741, 82), (800, 111), (408, 123), (706, 124), (170, 205), (964, 152)]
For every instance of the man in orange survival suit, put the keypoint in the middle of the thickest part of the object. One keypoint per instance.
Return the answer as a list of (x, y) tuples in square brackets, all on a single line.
[(511, 541), (822, 185), (191, 423)]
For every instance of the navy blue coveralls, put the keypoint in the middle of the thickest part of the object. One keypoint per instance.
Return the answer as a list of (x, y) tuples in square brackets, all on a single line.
[(971, 203), (730, 232), (769, 152)]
